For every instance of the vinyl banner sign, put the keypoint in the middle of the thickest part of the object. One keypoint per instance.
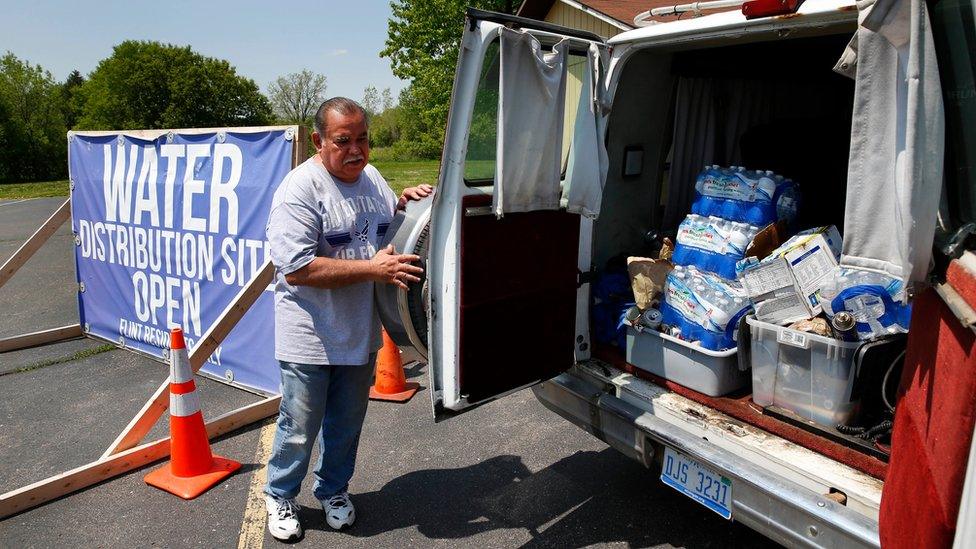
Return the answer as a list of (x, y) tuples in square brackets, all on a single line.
[(168, 230)]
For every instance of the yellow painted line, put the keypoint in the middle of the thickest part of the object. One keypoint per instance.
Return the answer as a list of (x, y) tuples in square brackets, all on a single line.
[(255, 515)]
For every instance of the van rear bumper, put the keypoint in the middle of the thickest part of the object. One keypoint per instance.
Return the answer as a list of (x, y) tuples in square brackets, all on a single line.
[(773, 505)]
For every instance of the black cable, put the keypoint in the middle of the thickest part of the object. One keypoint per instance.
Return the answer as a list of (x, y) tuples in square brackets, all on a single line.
[(849, 430)]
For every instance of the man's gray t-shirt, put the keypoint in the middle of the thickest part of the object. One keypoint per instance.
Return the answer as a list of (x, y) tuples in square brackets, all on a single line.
[(315, 215)]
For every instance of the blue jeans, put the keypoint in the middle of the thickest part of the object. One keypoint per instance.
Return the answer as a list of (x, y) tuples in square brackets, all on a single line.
[(324, 401)]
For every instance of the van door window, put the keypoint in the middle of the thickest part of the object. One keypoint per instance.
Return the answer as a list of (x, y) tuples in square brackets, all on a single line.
[(479, 163)]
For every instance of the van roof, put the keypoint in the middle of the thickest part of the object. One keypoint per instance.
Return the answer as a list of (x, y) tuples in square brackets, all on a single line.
[(818, 11)]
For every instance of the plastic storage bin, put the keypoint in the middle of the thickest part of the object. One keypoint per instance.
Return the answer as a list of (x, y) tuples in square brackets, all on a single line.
[(714, 373), (805, 373)]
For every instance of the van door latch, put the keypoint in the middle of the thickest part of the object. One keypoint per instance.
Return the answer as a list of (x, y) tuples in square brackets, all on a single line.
[(584, 278)]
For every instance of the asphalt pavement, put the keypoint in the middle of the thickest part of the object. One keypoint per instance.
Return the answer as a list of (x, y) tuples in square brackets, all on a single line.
[(508, 474)]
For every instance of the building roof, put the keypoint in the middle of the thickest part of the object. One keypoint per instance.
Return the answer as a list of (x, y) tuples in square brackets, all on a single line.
[(622, 11)]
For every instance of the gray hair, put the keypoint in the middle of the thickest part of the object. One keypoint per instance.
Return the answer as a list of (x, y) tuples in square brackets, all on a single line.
[(341, 105)]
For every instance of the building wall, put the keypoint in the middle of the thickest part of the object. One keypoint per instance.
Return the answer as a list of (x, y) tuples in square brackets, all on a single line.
[(568, 16)]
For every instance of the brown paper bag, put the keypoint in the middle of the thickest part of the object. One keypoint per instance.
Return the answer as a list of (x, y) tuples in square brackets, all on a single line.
[(647, 278)]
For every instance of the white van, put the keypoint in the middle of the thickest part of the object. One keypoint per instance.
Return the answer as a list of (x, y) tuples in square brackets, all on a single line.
[(506, 303)]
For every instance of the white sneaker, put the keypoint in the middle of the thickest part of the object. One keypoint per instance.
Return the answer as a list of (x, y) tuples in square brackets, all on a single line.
[(283, 518), (339, 511)]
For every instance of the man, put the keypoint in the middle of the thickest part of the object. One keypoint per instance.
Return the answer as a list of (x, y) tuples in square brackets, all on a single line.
[(326, 221)]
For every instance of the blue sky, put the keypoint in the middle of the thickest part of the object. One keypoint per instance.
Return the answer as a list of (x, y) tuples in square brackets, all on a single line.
[(264, 40)]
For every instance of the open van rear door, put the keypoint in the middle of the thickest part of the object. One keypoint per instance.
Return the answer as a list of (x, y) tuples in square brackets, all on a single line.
[(507, 306)]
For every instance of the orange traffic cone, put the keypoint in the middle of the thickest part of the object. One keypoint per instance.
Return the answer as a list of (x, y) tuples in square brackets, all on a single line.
[(192, 468), (390, 382)]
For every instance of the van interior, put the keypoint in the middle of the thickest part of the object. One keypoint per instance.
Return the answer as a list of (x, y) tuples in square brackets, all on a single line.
[(770, 106), (766, 105)]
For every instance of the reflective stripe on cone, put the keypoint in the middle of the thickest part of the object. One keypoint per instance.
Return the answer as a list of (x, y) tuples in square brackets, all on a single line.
[(184, 405)]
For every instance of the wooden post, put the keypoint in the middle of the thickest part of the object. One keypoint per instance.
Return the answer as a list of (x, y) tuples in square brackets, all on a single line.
[(30, 247), (82, 477), (42, 337), (299, 153), (159, 402)]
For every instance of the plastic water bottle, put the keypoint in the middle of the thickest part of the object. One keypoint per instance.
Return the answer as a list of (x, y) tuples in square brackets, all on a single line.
[(786, 201), (762, 209), (709, 178), (737, 190), (766, 185), (689, 241), (720, 314), (740, 236), (876, 301)]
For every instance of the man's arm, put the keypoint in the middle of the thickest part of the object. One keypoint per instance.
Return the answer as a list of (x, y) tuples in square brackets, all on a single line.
[(386, 266)]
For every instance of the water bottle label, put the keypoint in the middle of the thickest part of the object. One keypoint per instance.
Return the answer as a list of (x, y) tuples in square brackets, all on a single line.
[(727, 187), (703, 236), (685, 302), (865, 307)]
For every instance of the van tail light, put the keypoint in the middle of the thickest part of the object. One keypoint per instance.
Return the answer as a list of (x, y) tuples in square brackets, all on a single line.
[(764, 8)]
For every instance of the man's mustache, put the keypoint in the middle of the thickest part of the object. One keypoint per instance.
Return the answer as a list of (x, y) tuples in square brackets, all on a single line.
[(353, 159)]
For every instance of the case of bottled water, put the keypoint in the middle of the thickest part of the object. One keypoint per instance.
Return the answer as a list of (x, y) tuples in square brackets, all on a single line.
[(703, 307), (712, 244), (876, 301), (755, 197)]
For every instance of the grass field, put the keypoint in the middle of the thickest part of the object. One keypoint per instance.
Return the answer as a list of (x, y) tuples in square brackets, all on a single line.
[(399, 174), (34, 190)]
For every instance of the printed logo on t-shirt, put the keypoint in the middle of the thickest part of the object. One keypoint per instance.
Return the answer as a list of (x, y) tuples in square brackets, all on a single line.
[(362, 234), (342, 214), (353, 226)]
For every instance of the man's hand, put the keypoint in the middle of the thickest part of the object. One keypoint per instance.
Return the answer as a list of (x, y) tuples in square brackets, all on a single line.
[(414, 193), (393, 268)]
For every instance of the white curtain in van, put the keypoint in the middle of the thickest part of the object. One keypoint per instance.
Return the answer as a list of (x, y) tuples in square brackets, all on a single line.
[(894, 176), (694, 144), (710, 117), (532, 85), (586, 172)]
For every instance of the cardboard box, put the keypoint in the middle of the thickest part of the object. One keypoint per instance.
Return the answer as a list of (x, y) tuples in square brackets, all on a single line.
[(784, 286)]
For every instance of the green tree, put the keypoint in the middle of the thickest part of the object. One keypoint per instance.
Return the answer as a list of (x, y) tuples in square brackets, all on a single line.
[(70, 98), (32, 132), (371, 100), (5, 144), (297, 96), (147, 85), (423, 42), (384, 128), (387, 99), (384, 121)]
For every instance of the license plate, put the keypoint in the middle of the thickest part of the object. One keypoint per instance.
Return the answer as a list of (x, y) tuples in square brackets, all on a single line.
[(697, 482)]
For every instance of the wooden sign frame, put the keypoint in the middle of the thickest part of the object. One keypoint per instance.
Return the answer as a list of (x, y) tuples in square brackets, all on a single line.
[(125, 453)]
